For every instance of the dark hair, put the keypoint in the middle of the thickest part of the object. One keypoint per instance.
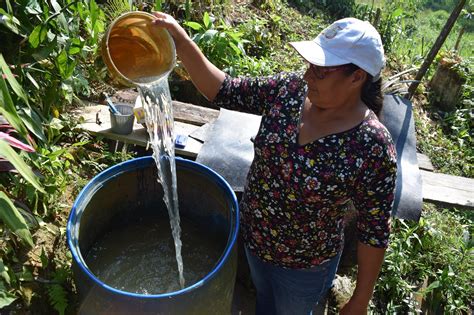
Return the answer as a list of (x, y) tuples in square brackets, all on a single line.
[(371, 91)]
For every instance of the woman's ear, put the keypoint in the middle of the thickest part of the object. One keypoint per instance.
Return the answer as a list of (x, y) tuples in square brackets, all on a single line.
[(359, 77)]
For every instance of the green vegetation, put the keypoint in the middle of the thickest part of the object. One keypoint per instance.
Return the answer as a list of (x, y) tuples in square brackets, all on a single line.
[(447, 137), (428, 265), (419, 22), (47, 65), (49, 61)]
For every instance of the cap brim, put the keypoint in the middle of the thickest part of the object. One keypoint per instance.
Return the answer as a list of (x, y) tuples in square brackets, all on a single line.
[(315, 54)]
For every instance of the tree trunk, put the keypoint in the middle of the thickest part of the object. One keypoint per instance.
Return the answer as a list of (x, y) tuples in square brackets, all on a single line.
[(446, 85)]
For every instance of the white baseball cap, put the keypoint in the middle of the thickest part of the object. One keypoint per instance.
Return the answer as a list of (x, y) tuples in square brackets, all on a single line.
[(348, 40)]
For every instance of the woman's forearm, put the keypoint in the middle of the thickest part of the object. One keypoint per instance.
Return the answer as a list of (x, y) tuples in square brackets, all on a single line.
[(369, 261)]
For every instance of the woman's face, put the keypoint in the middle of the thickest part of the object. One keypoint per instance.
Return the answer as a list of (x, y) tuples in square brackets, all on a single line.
[(329, 87)]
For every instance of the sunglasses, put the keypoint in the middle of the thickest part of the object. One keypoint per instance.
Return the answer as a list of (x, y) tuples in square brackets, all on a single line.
[(321, 72)]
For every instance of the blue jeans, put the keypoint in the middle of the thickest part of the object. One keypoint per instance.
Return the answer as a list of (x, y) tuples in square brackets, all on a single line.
[(282, 291)]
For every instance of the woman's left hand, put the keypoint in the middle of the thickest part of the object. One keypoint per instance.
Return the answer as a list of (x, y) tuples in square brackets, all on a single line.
[(354, 308)]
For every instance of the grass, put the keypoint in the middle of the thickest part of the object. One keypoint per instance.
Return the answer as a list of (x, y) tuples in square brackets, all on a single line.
[(428, 26), (422, 29), (448, 155)]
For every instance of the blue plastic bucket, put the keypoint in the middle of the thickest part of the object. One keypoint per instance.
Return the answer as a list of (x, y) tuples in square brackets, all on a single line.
[(129, 186)]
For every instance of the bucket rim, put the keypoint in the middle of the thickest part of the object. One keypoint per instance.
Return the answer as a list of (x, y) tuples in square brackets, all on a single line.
[(121, 105), (100, 179)]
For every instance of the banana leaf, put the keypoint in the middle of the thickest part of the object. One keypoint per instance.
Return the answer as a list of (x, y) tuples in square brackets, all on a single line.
[(7, 152), (12, 218), (11, 79), (8, 110), (27, 119), (33, 122)]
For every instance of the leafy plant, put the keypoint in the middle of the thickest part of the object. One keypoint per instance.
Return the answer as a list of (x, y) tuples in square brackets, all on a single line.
[(55, 45), (428, 266), (6, 297), (253, 67), (13, 219), (9, 110), (222, 45), (446, 155), (9, 214), (58, 298), (258, 35), (114, 8)]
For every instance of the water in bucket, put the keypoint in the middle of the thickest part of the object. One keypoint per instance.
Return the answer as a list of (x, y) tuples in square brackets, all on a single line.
[(140, 54), (138, 256)]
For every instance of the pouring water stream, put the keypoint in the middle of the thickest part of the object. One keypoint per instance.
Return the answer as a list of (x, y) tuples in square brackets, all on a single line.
[(156, 100)]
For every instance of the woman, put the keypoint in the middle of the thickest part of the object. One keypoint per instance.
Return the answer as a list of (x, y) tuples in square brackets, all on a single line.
[(319, 146)]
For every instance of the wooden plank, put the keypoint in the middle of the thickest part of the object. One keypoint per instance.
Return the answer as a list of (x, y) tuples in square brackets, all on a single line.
[(192, 114), (189, 113), (448, 189), (183, 112), (424, 162), (139, 136)]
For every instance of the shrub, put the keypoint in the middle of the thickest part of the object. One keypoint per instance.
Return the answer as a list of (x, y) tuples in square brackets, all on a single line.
[(428, 265)]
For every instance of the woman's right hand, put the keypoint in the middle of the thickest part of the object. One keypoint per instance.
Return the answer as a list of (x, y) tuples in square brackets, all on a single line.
[(172, 26)]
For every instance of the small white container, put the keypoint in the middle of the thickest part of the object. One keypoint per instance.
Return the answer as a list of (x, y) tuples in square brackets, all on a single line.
[(139, 112)]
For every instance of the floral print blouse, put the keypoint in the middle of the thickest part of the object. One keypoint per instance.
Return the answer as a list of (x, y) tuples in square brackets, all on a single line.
[(295, 196)]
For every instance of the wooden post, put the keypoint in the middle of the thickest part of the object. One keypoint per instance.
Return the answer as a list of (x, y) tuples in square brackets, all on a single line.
[(436, 47), (458, 40), (378, 14)]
